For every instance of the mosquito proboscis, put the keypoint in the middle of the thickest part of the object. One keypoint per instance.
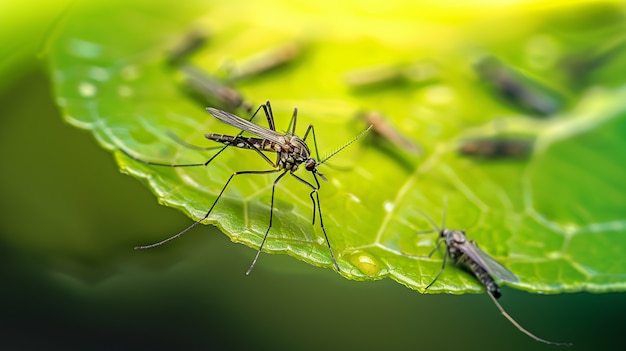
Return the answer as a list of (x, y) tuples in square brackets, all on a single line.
[(291, 152)]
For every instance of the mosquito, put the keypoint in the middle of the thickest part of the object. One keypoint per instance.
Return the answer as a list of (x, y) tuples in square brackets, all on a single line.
[(202, 86), (267, 61), (291, 152), (465, 253), (384, 75), (517, 89), (496, 147), (190, 43), (384, 128)]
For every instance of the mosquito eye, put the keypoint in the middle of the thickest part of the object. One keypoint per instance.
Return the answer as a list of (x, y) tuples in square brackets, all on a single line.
[(310, 165)]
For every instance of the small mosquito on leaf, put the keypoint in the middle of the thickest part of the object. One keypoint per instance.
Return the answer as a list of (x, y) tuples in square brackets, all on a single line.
[(291, 152), (465, 253), (496, 148)]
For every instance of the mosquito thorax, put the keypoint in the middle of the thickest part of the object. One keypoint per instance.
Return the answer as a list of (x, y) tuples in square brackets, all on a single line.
[(298, 147)]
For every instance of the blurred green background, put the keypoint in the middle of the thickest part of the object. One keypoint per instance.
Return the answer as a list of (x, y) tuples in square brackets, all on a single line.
[(70, 279)]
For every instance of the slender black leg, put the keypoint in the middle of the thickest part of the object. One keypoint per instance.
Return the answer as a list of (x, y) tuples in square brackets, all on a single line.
[(208, 212), (180, 141), (319, 211), (443, 265), (270, 224), (293, 121), (306, 134), (267, 108), (271, 121)]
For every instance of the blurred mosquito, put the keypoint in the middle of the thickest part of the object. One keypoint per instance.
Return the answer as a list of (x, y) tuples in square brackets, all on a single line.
[(267, 61), (384, 128), (291, 152), (496, 147), (205, 88), (383, 76), (465, 253), (187, 45), (518, 89)]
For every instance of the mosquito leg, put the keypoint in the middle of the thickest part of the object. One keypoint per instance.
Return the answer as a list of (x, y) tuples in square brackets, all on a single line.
[(180, 141), (271, 121), (161, 164), (314, 205), (267, 108), (314, 188), (293, 121), (252, 147), (443, 265), (520, 328), (306, 134), (269, 226), (319, 211), (190, 146), (430, 254), (208, 212)]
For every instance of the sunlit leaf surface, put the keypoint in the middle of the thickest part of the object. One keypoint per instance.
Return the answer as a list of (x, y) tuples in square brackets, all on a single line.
[(556, 218)]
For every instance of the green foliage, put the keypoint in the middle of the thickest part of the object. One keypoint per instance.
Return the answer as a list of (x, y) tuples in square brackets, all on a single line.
[(556, 219)]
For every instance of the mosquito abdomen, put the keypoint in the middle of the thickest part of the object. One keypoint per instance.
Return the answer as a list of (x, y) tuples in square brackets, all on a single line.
[(490, 285), (244, 143)]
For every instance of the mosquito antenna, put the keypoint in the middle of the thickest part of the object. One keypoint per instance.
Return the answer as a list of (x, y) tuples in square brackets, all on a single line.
[(431, 221), (346, 145), (520, 328)]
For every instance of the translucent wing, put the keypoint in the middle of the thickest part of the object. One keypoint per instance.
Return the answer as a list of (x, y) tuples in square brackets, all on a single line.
[(247, 126), (492, 266)]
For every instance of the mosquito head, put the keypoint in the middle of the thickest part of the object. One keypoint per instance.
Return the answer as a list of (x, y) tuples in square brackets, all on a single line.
[(444, 233), (311, 166), (453, 236)]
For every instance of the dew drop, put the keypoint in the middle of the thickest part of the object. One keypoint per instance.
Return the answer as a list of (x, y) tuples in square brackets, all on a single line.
[(87, 89), (365, 263), (388, 206), (354, 198)]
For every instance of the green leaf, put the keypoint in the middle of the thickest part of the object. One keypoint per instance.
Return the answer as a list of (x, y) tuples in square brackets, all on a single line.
[(555, 219)]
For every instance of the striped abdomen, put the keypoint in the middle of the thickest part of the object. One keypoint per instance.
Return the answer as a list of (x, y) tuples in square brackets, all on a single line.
[(490, 285), (245, 143)]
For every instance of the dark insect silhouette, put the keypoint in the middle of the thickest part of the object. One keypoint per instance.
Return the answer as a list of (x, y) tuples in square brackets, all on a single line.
[(465, 253)]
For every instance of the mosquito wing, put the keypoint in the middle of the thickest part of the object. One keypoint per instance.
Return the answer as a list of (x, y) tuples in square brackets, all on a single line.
[(492, 266), (247, 126)]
